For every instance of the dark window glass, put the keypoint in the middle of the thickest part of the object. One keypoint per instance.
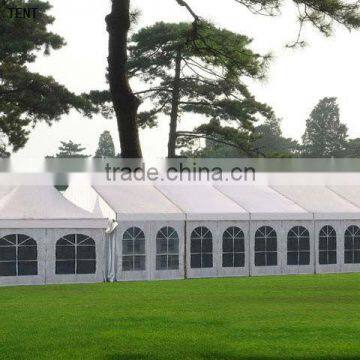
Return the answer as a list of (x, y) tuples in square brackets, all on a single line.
[(27, 268), (75, 254), (239, 259), (304, 258), (85, 267), (352, 243), (8, 268), (173, 262), (18, 256), (196, 261), (265, 247), (65, 267), (139, 263), (260, 259), (133, 247), (327, 246), (233, 247), (167, 245), (298, 246), (201, 248)]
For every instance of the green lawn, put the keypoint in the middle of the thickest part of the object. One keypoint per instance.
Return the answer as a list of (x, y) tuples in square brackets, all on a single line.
[(245, 318)]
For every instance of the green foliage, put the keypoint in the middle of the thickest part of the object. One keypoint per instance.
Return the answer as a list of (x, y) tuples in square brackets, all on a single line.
[(25, 97), (325, 135), (106, 147), (214, 66), (352, 148), (266, 140), (71, 150)]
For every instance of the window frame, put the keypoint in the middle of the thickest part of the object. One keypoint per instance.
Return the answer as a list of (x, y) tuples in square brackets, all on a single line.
[(167, 234), (75, 245), (352, 234), (201, 235), (266, 233), (325, 234), (234, 234), (300, 233), (136, 236), (19, 260)]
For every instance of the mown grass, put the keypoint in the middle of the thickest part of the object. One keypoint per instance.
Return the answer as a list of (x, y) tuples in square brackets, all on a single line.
[(303, 317)]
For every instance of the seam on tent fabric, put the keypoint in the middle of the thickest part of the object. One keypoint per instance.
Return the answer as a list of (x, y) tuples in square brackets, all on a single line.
[(232, 200), (342, 197), (172, 202), (293, 201)]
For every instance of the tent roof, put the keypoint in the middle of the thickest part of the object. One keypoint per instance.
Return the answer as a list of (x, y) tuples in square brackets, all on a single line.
[(203, 202), (321, 201), (44, 207), (263, 203), (138, 202), (351, 193)]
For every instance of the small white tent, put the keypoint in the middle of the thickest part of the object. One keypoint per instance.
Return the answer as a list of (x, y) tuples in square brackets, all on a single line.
[(281, 232), (332, 214), (216, 230), (44, 238)]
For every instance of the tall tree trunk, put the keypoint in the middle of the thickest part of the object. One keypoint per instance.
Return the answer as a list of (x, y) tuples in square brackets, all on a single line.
[(175, 106), (125, 102)]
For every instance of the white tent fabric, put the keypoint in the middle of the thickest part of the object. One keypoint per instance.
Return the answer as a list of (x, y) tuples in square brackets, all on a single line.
[(44, 207), (350, 193), (324, 203), (138, 202), (203, 202), (263, 203)]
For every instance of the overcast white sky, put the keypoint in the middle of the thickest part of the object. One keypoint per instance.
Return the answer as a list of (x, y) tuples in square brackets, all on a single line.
[(297, 79)]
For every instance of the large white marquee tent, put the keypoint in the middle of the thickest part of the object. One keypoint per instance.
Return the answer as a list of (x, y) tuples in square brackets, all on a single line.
[(134, 231)]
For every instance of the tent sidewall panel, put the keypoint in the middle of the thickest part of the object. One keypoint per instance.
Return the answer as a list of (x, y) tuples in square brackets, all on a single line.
[(39, 235), (347, 267), (54, 235), (179, 227), (145, 226), (267, 270), (299, 269), (204, 272), (338, 226), (236, 271)]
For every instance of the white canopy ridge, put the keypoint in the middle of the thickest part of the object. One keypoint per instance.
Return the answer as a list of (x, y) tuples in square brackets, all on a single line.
[(138, 202), (263, 203), (203, 202), (44, 207), (324, 203)]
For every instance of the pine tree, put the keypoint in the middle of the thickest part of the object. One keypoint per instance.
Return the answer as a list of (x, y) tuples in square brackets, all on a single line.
[(27, 98), (71, 150), (325, 135), (106, 147), (322, 14)]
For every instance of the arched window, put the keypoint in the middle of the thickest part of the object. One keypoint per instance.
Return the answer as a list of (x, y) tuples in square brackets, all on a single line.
[(201, 248), (298, 246), (133, 250), (18, 256), (327, 246), (352, 245), (265, 247), (233, 247), (167, 249), (75, 254)]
